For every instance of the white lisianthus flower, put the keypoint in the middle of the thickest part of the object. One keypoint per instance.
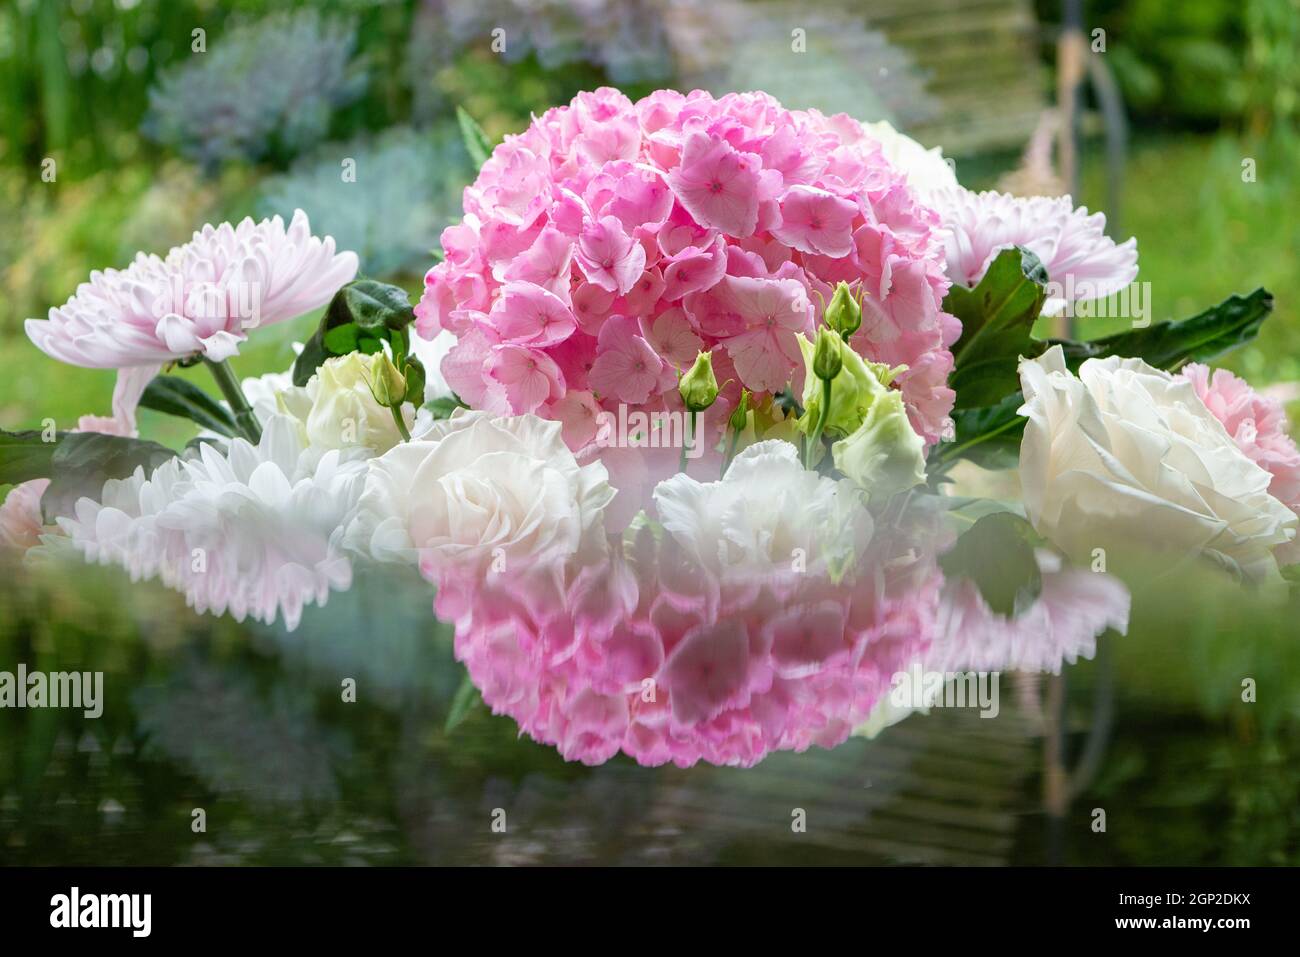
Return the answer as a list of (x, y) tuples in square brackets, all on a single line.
[(255, 531), (1128, 454), (478, 491), (767, 510), (337, 410), (926, 169)]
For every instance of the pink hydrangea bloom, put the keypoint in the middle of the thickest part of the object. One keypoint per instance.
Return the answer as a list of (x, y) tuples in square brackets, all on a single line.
[(674, 224), (1258, 425), (200, 300)]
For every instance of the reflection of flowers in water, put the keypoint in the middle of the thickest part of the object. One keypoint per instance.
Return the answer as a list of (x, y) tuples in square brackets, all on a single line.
[(264, 89), (736, 628), (406, 189), (268, 750)]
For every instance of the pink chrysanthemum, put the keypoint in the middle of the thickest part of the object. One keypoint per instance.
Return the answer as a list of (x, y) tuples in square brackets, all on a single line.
[(1258, 425), (1072, 244), (200, 300), (611, 240)]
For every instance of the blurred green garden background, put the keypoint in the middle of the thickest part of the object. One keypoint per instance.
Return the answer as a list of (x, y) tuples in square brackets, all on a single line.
[(156, 116)]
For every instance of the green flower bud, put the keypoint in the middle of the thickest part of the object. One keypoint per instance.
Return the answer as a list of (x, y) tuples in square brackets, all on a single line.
[(387, 384), (413, 372), (827, 361), (844, 314), (884, 454), (741, 415), (699, 386), (852, 389)]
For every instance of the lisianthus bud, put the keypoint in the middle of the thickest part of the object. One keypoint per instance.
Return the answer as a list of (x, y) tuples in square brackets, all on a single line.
[(387, 384), (884, 454), (827, 360), (844, 314), (699, 386), (853, 388), (741, 414)]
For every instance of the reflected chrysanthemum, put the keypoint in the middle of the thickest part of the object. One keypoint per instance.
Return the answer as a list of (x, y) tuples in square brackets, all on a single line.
[(200, 300), (255, 531)]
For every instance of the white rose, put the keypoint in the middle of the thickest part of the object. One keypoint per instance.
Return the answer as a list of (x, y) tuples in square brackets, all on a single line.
[(1128, 454), (926, 170), (766, 513), (336, 409), (477, 491)]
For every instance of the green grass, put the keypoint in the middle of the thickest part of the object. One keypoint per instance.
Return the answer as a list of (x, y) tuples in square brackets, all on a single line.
[(1204, 234)]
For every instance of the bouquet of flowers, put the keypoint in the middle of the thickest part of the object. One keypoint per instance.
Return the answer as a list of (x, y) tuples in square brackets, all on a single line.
[(676, 429)]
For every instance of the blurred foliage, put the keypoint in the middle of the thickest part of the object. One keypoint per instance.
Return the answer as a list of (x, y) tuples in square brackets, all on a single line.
[(1201, 64), (267, 91), (385, 197)]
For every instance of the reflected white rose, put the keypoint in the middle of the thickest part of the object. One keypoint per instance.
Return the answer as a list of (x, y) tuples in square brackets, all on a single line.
[(478, 491), (765, 511), (1128, 455)]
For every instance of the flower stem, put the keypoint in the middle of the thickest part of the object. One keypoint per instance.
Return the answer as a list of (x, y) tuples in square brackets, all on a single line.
[(229, 385), (687, 439), (401, 422), (814, 440)]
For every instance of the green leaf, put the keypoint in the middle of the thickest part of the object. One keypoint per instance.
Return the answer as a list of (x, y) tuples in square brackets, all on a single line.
[(996, 318), (375, 306), (997, 554), (84, 461), (476, 141), (341, 340), (989, 436), (25, 455), (1168, 345), (462, 703), (181, 397), (443, 406), (360, 318), (309, 360)]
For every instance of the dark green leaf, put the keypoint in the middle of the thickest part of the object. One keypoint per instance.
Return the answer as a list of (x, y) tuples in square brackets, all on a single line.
[(310, 359), (176, 396), (84, 461), (989, 436), (376, 306), (997, 554), (1168, 345), (996, 318), (26, 455), (477, 144)]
